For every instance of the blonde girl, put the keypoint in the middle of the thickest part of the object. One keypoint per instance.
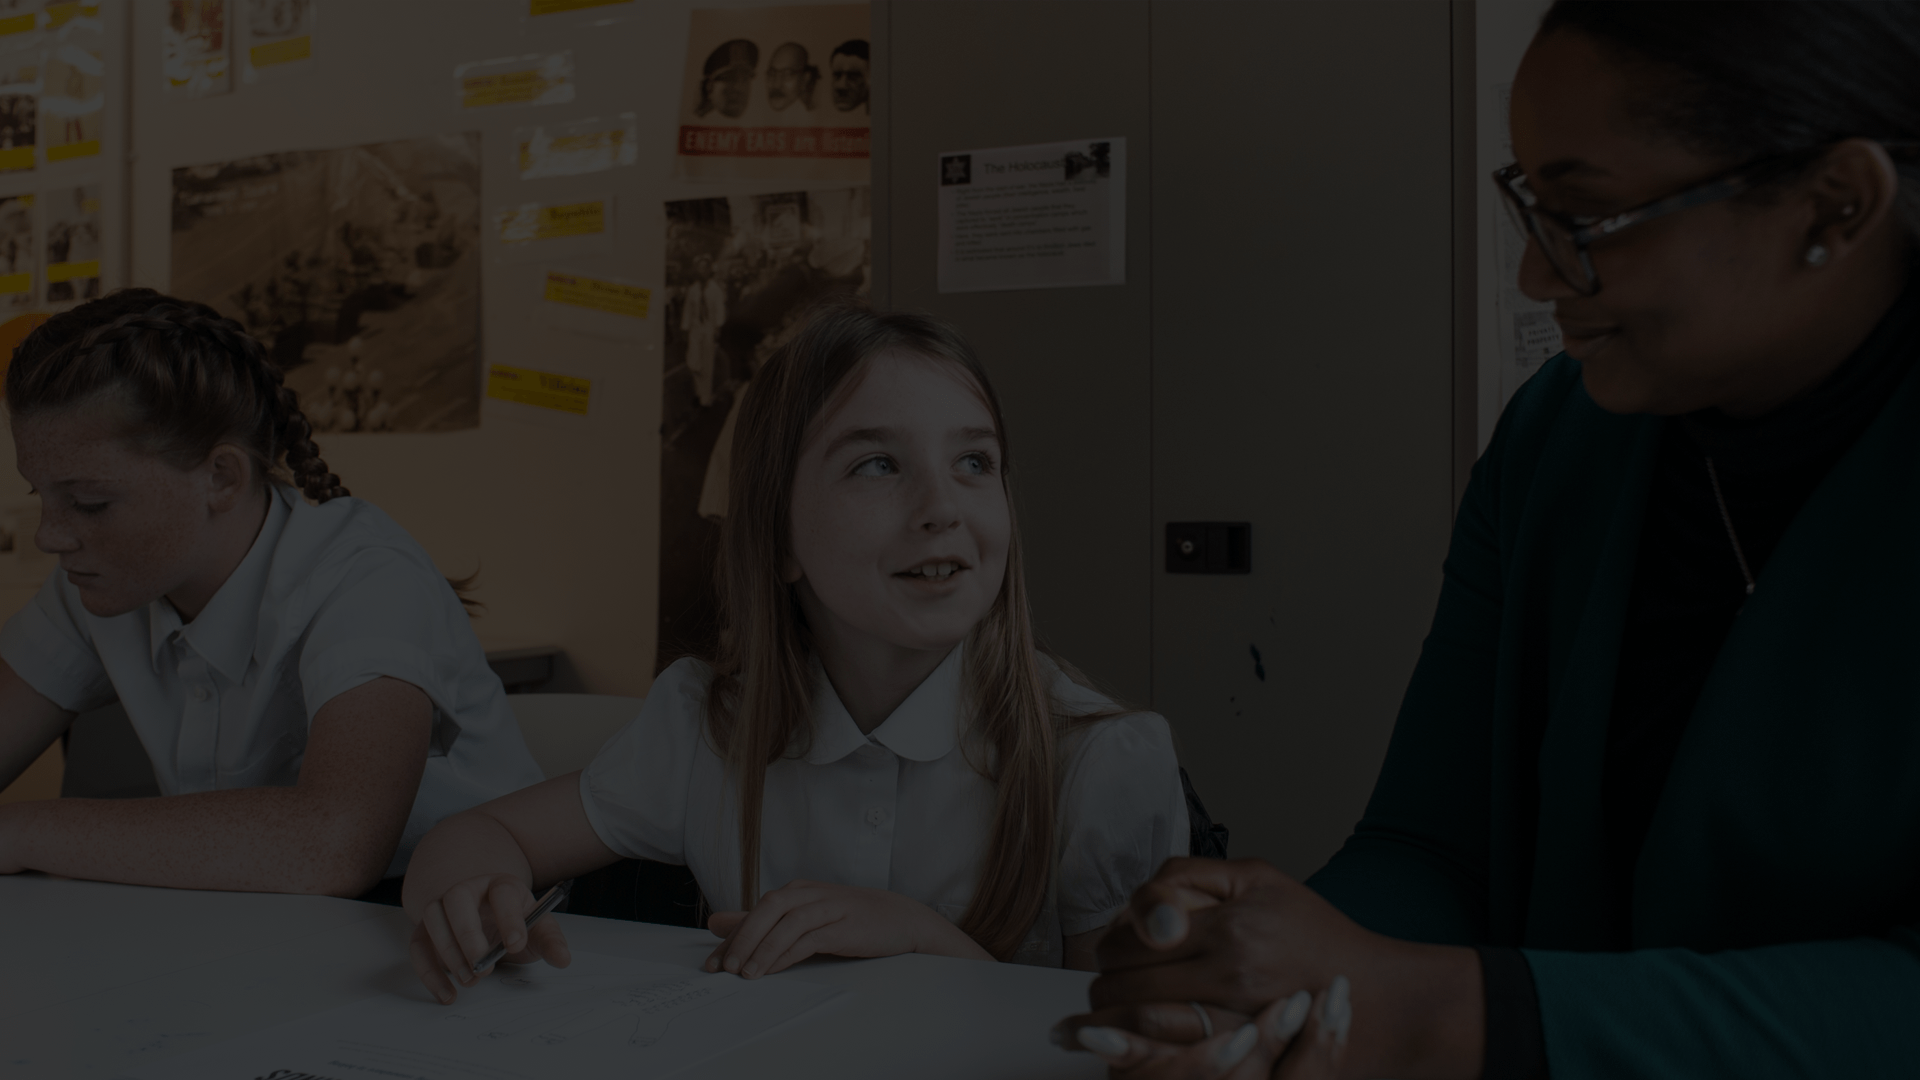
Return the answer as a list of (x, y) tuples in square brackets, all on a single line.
[(876, 759), (306, 685)]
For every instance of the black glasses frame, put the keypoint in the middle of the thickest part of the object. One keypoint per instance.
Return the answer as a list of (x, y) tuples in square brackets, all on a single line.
[(1581, 232)]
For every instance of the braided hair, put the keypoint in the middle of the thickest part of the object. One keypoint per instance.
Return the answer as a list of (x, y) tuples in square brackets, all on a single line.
[(187, 377)]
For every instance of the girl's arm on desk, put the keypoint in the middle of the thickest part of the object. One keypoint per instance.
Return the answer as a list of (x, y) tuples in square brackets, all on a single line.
[(333, 832), (471, 881), (29, 723)]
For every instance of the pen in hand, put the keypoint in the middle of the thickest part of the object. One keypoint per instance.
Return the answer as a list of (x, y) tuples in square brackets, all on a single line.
[(547, 903)]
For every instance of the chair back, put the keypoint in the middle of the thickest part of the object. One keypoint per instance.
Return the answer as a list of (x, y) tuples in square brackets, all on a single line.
[(564, 730)]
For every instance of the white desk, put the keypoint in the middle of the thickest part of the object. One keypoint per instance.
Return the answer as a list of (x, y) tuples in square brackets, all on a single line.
[(101, 978)]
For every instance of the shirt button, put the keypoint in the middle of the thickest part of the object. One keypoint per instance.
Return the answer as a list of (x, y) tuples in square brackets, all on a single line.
[(876, 816), (200, 693)]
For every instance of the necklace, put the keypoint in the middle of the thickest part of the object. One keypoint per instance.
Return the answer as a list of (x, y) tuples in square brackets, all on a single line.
[(1713, 475)]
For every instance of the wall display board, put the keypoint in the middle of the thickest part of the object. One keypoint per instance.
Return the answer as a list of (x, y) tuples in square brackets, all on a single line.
[(449, 217), (777, 93), (359, 268), (63, 117)]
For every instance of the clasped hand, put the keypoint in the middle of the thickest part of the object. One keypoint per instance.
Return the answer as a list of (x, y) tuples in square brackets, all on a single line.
[(1250, 948)]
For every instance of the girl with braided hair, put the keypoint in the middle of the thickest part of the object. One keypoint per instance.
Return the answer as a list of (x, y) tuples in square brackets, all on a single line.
[(308, 688)]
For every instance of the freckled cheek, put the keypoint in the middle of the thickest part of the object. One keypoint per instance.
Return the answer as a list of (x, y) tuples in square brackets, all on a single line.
[(151, 549), (842, 541)]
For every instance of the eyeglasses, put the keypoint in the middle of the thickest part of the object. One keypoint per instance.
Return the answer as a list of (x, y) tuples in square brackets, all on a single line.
[(1564, 238)]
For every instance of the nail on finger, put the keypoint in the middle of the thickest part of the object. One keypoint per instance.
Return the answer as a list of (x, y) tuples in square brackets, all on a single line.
[(1235, 1050), (1339, 1011), (1293, 1016), (1166, 925), (1104, 1042)]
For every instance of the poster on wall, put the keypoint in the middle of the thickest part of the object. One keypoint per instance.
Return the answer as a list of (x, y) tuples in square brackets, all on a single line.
[(1033, 217), (73, 244), (741, 274), (73, 95), (19, 104), (776, 94), (18, 256), (193, 48), (278, 37), (358, 267)]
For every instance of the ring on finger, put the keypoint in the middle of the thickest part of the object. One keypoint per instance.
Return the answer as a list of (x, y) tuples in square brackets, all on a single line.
[(1206, 1021)]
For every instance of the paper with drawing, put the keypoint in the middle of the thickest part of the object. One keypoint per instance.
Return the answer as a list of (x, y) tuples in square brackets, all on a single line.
[(601, 1016)]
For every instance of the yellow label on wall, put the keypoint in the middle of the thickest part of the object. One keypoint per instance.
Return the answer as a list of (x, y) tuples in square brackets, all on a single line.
[(84, 148), (16, 157), (281, 52), (72, 271), (15, 283), (610, 296), (555, 7), (540, 388), (59, 15), (17, 24), (535, 222), (612, 142), (506, 88)]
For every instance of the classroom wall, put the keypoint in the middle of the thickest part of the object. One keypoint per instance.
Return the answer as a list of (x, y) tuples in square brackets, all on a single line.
[(559, 514), (1281, 352)]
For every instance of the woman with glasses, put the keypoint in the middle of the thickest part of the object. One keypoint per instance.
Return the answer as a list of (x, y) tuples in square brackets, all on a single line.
[(1652, 806)]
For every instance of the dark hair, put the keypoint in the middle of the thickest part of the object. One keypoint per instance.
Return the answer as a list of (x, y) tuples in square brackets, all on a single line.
[(1759, 78), (187, 377), (731, 53), (856, 47)]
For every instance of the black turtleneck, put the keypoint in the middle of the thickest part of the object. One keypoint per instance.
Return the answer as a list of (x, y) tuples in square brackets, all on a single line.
[(1687, 584), (1688, 589)]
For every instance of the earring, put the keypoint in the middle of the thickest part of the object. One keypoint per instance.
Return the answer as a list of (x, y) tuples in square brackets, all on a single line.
[(1846, 211), (1817, 255)]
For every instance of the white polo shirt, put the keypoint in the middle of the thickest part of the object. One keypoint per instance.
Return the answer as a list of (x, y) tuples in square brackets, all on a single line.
[(899, 809), (328, 598)]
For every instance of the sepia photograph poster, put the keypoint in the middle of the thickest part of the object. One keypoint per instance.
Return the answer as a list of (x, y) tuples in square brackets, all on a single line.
[(358, 267), (742, 273), (777, 93)]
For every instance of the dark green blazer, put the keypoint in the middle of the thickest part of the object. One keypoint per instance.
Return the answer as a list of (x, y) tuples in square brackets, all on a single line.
[(1776, 907)]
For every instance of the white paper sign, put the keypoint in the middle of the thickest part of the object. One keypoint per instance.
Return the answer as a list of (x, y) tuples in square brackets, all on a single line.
[(601, 1016), (1034, 217)]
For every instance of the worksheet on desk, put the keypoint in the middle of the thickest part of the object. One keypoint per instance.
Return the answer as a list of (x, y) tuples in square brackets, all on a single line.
[(600, 1016)]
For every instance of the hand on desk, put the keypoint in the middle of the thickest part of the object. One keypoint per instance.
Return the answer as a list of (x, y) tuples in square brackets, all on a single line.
[(456, 931), (1242, 937), (809, 918)]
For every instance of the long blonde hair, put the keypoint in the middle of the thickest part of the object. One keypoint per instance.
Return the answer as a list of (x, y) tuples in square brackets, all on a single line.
[(760, 702)]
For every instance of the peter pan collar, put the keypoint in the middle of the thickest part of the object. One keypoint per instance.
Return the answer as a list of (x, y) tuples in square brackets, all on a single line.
[(224, 633), (926, 726)]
